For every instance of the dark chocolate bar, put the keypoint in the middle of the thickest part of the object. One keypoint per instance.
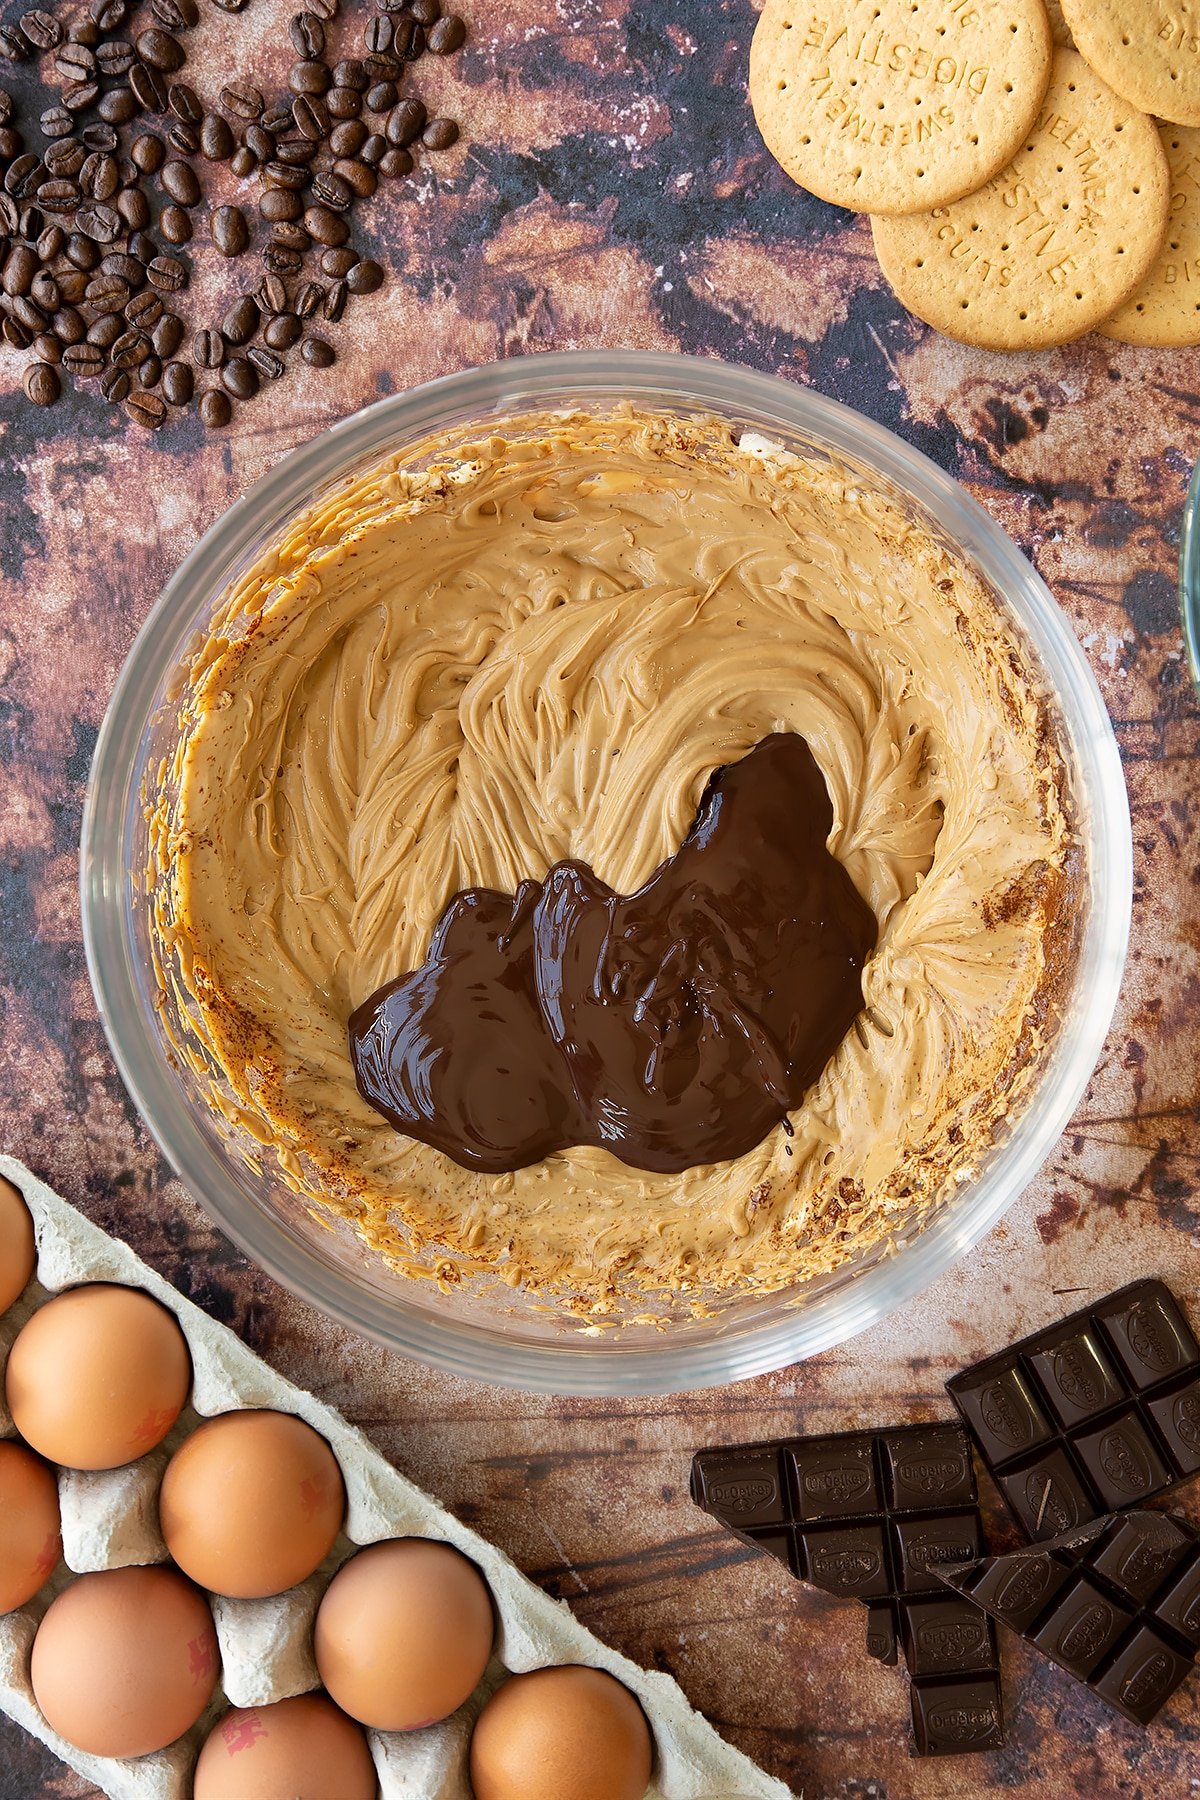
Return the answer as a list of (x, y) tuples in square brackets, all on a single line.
[(1117, 1604), (1096, 1413), (872, 1516)]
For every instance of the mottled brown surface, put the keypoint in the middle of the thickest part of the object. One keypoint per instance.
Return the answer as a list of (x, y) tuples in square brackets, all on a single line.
[(615, 193)]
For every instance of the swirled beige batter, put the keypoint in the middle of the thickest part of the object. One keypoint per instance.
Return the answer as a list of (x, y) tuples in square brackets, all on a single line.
[(503, 654)]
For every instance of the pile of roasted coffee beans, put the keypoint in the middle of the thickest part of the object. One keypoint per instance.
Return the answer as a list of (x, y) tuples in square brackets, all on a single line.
[(99, 201)]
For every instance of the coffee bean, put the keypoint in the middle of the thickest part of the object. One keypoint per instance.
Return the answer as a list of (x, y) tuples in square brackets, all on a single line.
[(259, 142), (42, 29), (44, 291), (6, 107), (109, 15), (332, 191), (336, 263), (144, 311), (446, 36), (11, 143), (108, 294), (130, 349), (184, 139), (271, 295), (184, 102), (307, 34), (114, 385), (277, 118), (325, 226), (241, 321), (279, 203), (47, 348), (76, 62), (84, 361), (99, 136), (160, 50), (216, 139), (285, 175), (72, 284), (308, 298), (365, 277), (147, 153), (240, 378), (149, 88), (405, 124), (118, 107), (311, 117), (167, 335), (266, 362), (175, 225), (14, 333), (10, 216), (84, 31), (66, 157), (14, 45), (178, 179), (81, 252), (228, 229), (309, 77), (347, 137), (30, 314), (178, 383), (31, 222), (215, 409), (103, 332), (325, 10), (57, 122), (425, 12), (98, 178), (129, 269), (25, 169), (373, 149), (149, 371), (58, 196), (334, 304), (243, 163), (240, 98), (98, 221), (290, 234), (317, 352), (175, 15), (439, 134), (80, 95), (208, 349), (395, 163), (351, 73), (379, 34), (42, 384), (20, 267), (145, 409), (69, 324), (116, 57), (410, 39), (134, 208), (167, 273), (284, 330), (382, 97), (344, 103), (296, 152), (230, 6), (50, 243)]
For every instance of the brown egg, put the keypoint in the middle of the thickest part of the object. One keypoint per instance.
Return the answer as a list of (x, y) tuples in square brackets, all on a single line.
[(404, 1633), (302, 1749), (30, 1537), (125, 1661), (566, 1733), (251, 1503), (18, 1252), (98, 1376)]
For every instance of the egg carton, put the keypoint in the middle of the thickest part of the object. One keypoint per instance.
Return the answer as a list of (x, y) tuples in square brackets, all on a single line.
[(110, 1520)]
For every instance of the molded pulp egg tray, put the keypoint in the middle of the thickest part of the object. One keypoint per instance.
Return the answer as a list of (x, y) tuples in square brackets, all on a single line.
[(110, 1520)]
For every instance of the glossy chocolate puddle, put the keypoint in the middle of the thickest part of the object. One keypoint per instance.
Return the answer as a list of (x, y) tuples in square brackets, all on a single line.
[(673, 1027)]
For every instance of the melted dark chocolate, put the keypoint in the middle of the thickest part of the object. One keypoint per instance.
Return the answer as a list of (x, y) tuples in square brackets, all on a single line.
[(675, 1027)]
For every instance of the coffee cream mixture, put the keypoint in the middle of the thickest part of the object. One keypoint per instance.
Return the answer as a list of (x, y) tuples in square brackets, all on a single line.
[(502, 654)]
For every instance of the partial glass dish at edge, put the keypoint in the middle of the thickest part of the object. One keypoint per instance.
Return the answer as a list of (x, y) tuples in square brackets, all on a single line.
[(498, 1339)]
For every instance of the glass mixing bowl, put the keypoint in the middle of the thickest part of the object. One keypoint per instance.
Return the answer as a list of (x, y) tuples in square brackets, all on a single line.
[(499, 1339)]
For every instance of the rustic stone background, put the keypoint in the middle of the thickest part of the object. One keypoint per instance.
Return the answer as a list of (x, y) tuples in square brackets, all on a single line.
[(611, 190)]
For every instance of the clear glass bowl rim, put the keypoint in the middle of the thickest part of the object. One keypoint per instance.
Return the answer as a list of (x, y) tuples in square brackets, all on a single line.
[(581, 1365)]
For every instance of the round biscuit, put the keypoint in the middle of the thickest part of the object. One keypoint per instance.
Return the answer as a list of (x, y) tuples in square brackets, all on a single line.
[(1165, 310), (1054, 243), (1149, 53), (894, 106)]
